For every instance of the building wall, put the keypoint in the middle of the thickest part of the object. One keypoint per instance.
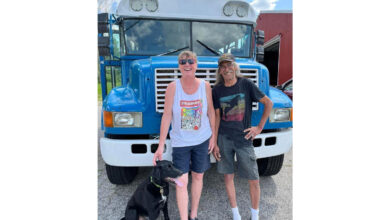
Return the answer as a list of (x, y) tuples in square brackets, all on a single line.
[(274, 23)]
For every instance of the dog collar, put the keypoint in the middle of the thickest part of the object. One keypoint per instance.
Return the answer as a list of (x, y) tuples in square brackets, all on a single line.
[(158, 186)]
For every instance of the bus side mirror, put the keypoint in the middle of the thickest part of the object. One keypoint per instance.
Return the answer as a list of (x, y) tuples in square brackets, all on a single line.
[(260, 37), (104, 46), (103, 23), (259, 54), (103, 42)]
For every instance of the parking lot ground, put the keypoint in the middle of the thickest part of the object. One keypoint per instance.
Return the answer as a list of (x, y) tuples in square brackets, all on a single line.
[(275, 201)]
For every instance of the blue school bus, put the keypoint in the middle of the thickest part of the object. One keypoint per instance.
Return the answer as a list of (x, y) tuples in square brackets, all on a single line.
[(138, 43)]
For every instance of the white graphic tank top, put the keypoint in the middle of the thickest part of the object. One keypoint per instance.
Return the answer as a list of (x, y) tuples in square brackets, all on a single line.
[(190, 123)]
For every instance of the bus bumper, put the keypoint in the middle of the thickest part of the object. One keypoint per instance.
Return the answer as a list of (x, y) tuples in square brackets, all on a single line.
[(138, 153)]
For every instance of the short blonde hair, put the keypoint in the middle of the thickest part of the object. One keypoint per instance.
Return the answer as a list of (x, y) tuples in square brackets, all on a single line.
[(189, 54)]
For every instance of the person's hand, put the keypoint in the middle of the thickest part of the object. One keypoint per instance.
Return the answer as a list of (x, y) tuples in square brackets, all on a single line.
[(216, 153), (252, 132), (158, 154), (211, 145)]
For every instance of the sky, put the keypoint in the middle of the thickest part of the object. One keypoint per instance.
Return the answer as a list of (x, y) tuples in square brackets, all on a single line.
[(271, 4)]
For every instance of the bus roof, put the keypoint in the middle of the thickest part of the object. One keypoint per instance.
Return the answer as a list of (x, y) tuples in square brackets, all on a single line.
[(237, 11)]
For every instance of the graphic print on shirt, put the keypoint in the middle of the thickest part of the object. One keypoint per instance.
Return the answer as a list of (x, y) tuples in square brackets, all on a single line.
[(233, 107), (191, 113)]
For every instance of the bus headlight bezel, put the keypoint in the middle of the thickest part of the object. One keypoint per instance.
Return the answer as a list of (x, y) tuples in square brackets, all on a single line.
[(280, 115), (127, 119)]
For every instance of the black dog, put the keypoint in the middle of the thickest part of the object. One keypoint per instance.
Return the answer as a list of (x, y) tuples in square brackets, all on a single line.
[(151, 196)]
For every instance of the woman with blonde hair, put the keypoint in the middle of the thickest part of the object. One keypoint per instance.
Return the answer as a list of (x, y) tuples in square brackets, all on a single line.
[(189, 110)]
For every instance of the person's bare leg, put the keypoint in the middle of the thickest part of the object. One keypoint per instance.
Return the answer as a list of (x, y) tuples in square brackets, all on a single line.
[(231, 192), (182, 197), (254, 189), (230, 189), (196, 192)]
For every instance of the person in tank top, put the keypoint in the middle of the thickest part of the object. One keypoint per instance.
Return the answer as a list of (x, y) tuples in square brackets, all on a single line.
[(189, 110)]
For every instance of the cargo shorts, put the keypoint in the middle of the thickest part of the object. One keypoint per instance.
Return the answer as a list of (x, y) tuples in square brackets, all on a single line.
[(245, 154)]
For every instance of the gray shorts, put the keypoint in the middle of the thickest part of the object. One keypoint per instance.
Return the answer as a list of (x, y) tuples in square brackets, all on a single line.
[(246, 158)]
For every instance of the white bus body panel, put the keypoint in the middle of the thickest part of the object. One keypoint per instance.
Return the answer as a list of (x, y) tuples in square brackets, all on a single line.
[(118, 152)]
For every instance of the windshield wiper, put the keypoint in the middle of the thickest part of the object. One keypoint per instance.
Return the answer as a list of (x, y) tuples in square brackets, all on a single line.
[(209, 48), (131, 26), (172, 51)]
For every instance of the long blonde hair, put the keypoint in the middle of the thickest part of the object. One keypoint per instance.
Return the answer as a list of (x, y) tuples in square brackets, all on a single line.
[(220, 78)]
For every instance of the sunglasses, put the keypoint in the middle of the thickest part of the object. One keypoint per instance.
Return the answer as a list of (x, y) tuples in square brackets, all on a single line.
[(189, 61)]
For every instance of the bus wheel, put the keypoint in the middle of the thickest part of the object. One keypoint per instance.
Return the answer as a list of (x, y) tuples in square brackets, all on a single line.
[(121, 175), (270, 165)]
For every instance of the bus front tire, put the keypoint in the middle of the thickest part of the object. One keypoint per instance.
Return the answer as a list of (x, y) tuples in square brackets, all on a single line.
[(121, 175), (270, 165)]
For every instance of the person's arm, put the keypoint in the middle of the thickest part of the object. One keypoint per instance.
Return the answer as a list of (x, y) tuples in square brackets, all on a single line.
[(267, 110), (253, 131), (211, 116), (165, 121), (216, 153)]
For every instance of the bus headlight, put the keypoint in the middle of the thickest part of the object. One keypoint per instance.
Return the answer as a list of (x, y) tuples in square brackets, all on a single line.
[(280, 115), (127, 119)]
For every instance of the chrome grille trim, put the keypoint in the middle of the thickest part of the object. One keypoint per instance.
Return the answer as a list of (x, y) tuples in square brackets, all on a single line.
[(163, 76)]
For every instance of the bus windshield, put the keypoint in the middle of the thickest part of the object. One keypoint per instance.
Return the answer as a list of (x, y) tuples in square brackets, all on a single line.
[(170, 37)]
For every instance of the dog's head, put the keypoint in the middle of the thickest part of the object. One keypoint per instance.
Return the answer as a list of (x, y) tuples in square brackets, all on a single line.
[(164, 171)]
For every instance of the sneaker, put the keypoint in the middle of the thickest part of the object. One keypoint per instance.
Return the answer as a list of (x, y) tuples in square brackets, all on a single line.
[(189, 218), (239, 217)]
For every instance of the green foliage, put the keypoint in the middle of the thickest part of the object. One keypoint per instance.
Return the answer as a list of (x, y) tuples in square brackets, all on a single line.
[(118, 79), (99, 92)]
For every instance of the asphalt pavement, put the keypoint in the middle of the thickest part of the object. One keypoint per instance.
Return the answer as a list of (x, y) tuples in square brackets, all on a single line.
[(275, 199)]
